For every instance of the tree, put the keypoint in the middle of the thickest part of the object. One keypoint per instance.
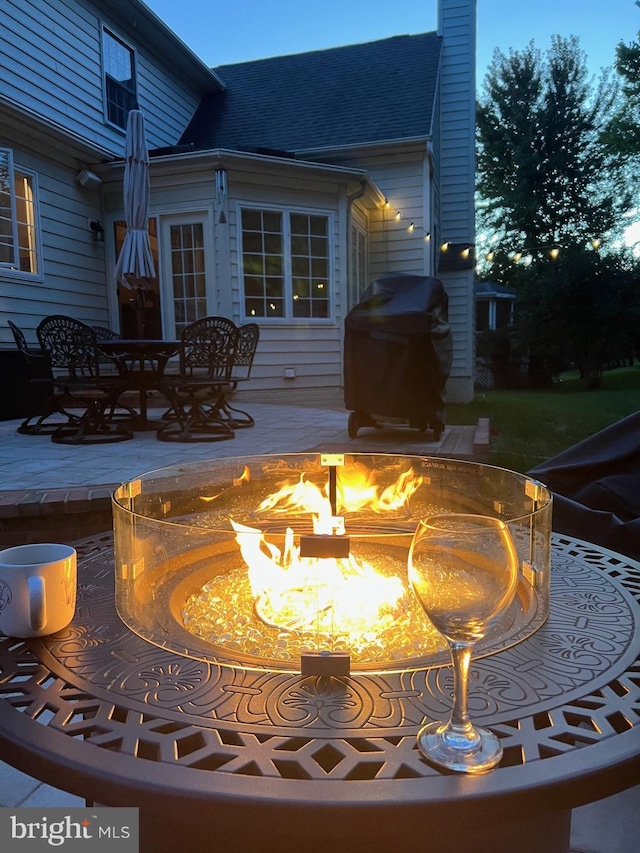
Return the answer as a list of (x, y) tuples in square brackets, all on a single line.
[(623, 131), (544, 177), (581, 310), (546, 184)]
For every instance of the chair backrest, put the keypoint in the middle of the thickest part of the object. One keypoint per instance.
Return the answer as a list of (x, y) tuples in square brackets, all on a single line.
[(18, 335), (246, 345), (71, 346), (105, 334), (38, 362), (208, 348)]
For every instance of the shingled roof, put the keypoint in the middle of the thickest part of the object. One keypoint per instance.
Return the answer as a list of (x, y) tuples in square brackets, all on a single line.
[(363, 93)]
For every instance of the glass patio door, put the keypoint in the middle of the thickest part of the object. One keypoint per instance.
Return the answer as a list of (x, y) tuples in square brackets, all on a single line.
[(187, 262)]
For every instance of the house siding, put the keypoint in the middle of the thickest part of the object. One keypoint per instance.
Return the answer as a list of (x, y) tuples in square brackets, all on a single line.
[(456, 157), (50, 63), (72, 277), (52, 117), (313, 349), (402, 175)]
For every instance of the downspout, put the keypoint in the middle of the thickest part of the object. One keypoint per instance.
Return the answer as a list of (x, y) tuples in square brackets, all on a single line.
[(350, 199)]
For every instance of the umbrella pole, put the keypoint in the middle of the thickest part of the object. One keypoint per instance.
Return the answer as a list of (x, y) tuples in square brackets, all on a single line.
[(140, 305)]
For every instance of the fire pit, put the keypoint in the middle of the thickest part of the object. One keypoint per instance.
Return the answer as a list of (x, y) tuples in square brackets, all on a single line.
[(299, 562)]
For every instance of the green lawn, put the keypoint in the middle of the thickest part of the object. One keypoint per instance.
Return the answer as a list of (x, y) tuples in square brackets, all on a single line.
[(530, 426)]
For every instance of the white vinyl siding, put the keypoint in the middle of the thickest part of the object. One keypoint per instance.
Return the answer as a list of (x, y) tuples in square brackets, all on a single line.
[(51, 66), (456, 160), (70, 277), (402, 175)]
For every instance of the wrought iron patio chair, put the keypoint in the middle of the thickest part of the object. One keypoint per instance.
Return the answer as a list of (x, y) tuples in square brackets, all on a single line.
[(43, 409), (247, 337), (206, 358), (75, 360), (108, 366)]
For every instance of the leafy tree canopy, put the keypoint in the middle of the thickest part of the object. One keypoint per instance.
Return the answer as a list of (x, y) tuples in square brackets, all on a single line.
[(550, 179), (544, 176), (623, 131)]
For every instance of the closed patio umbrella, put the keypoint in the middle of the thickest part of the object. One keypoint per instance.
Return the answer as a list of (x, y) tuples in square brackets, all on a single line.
[(135, 266)]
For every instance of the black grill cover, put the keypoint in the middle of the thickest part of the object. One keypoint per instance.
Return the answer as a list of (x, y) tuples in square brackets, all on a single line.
[(397, 350), (596, 487)]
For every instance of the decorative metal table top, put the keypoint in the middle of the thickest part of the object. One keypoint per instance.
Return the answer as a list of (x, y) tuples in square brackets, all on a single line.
[(565, 702)]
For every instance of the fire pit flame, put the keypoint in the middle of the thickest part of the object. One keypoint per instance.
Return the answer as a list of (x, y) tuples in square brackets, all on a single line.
[(356, 490), (334, 595)]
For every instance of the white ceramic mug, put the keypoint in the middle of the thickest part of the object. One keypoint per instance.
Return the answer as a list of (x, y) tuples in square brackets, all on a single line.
[(37, 589)]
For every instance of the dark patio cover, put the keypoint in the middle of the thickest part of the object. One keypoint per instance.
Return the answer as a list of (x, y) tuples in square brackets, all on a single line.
[(596, 487)]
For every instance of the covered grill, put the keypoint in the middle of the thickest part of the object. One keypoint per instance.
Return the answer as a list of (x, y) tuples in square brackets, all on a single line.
[(397, 354)]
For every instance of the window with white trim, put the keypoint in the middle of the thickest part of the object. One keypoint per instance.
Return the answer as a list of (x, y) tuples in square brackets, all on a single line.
[(19, 248), (358, 275), (118, 62), (285, 264)]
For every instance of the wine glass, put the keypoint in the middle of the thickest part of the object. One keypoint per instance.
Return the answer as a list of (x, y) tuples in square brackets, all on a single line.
[(464, 572)]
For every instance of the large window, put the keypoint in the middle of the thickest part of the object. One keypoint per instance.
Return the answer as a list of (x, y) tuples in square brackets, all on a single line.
[(119, 78), (18, 217), (358, 275), (285, 264)]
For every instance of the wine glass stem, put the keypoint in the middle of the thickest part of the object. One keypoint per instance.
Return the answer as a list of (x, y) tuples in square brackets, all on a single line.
[(460, 724)]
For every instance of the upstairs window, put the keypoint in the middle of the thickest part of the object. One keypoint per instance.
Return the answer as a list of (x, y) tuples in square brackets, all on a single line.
[(18, 217), (119, 78), (285, 265)]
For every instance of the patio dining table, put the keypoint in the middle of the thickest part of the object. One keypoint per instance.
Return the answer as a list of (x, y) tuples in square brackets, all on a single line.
[(217, 756), (141, 364)]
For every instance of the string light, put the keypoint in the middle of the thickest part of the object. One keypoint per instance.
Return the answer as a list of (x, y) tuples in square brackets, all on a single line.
[(412, 228), (552, 249)]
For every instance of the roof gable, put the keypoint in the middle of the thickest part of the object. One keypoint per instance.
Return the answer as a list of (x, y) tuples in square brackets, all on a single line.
[(366, 93)]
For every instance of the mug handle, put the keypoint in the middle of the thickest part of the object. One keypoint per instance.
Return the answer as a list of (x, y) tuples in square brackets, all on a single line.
[(37, 606)]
